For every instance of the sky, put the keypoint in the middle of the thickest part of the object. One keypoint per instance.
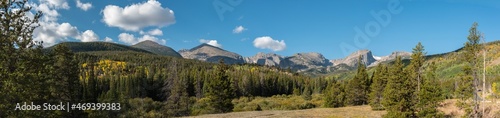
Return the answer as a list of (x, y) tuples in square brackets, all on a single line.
[(334, 28)]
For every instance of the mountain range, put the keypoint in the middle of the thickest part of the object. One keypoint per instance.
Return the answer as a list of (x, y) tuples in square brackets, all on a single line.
[(310, 62)]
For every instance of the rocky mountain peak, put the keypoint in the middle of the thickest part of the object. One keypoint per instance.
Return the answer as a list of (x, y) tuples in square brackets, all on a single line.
[(269, 59), (352, 59), (305, 61), (209, 53), (392, 56)]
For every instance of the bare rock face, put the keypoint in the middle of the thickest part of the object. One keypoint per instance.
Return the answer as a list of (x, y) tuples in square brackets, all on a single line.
[(269, 59), (352, 60), (388, 58), (305, 61), (209, 53)]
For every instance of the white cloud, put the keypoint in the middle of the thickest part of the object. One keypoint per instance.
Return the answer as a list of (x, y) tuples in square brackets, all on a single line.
[(127, 38), (51, 33), (211, 42), (137, 16), (83, 6), (89, 36), (239, 29), (154, 32), (267, 42), (59, 4), (107, 39), (131, 39), (50, 13)]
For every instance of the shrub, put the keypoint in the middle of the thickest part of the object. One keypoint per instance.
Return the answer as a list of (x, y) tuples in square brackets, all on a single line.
[(277, 102), (202, 106)]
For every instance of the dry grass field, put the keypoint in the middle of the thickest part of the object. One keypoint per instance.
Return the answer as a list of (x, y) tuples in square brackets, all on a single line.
[(448, 107), (349, 112)]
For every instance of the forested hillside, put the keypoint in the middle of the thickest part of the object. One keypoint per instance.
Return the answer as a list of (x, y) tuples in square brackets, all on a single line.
[(97, 46)]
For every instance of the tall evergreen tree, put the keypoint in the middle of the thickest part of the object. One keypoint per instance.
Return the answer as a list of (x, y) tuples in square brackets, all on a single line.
[(397, 96), (23, 66), (306, 94), (416, 64), (359, 87), (377, 87), (66, 87), (178, 100), (430, 95), (414, 82), (219, 90), (468, 85), (334, 95)]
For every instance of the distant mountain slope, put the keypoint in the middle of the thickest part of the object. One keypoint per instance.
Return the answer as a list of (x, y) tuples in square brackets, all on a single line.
[(269, 59), (305, 61), (97, 46), (156, 48), (209, 53)]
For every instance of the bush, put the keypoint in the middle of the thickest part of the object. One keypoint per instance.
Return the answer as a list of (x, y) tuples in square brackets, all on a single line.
[(202, 106), (307, 105), (144, 108), (277, 102)]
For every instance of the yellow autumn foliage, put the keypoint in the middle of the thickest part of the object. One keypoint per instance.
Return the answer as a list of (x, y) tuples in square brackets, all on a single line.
[(496, 88), (107, 66)]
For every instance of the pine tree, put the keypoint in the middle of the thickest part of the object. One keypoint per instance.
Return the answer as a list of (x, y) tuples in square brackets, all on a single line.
[(67, 86), (296, 91), (430, 95), (359, 87), (306, 94), (23, 66), (415, 81), (219, 90), (377, 87), (178, 101), (468, 85), (334, 95), (397, 97), (416, 63)]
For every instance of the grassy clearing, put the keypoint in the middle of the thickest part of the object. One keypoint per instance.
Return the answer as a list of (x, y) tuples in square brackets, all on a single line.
[(351, 112), (448, 107)]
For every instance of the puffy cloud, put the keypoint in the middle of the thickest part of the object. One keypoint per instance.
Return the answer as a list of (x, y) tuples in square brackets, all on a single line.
[(51, 33), (83, 6), (267, 42), (59, 4), (137, 16), (211, 42), (131, 39), (239, 29), (107, 39), (49, 13), (89, 36), (154, 32), (67, 30), (127, 38)]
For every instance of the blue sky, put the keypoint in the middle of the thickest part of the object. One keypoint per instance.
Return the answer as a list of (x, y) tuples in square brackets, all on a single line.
[(284, 27)]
